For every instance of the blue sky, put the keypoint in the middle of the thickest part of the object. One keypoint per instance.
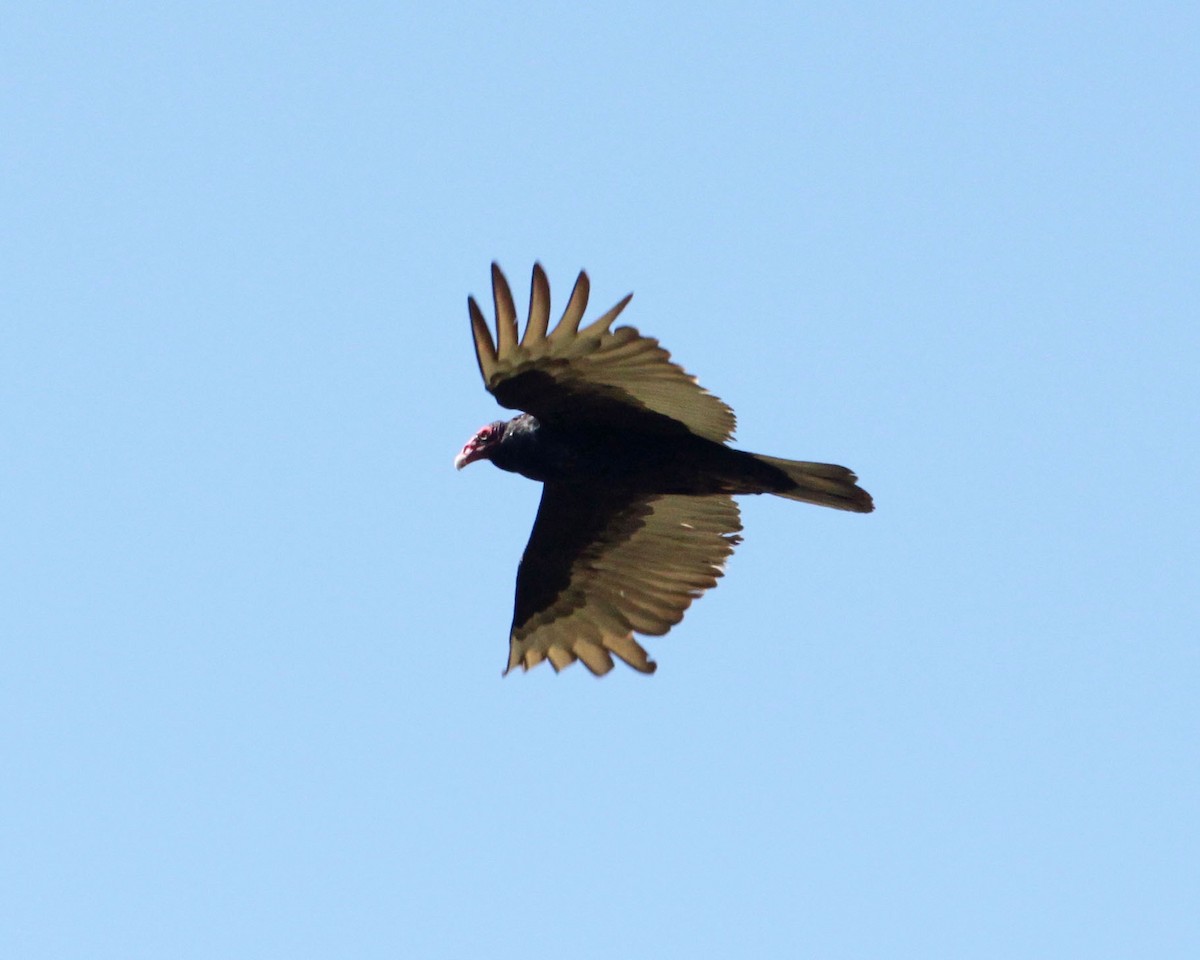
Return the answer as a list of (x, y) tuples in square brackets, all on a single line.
[(252, 623)]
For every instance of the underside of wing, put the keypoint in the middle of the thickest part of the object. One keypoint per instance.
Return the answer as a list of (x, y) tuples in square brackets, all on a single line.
[(600, 567), (594, 374)]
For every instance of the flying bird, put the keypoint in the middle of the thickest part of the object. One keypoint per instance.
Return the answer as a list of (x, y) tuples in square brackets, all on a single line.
[(637, 516)]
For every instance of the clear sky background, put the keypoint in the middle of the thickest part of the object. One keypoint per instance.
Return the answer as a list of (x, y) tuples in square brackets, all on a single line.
[(253, 622)]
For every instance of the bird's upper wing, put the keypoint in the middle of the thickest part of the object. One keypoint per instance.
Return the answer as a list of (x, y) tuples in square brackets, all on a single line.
[(595, 375), (600, 565)]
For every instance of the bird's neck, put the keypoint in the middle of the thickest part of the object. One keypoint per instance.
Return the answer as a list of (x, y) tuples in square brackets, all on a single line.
[(530, 449)]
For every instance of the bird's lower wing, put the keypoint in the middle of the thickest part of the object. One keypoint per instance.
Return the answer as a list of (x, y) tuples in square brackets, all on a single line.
[(600, 566)]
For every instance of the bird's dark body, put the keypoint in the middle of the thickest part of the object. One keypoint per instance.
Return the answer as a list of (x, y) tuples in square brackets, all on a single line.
[(612, 458)]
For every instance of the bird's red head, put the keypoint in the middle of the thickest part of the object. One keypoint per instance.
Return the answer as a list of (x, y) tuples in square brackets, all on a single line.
[(482, 445)]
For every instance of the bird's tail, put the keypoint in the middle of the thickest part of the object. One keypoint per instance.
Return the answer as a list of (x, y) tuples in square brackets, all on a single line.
[(825, 484)]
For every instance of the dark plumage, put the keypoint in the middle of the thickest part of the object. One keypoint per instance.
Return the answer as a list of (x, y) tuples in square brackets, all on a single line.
[(637, 515)]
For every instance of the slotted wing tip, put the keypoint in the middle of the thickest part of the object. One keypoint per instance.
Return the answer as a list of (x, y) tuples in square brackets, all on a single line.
[(583, 643), (485, 347), (539, 307), (560, 658), (568, 326), (593, 656), (639, 661), (597, 659), (602, 324), (506, 312)]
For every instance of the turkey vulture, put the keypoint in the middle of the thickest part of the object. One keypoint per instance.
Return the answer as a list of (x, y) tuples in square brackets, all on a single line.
[(637, 516)]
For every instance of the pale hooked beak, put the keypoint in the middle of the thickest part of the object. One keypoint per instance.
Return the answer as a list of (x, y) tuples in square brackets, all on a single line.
[(468, 454)]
